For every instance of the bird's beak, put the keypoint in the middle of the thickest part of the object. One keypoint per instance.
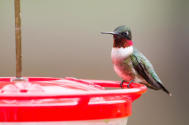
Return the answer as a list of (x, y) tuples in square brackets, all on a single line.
[(113, 33)]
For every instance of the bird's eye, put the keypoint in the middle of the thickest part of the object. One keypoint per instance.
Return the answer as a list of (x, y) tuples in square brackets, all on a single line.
[(124, 33)]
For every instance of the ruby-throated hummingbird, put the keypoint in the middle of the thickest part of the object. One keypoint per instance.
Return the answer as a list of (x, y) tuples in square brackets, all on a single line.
[(130, 64)]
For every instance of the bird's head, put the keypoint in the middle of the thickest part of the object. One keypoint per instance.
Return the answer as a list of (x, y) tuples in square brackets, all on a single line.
[(122, 37)]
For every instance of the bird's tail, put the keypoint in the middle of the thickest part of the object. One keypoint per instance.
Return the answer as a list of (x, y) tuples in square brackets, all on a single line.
[(165, 90)]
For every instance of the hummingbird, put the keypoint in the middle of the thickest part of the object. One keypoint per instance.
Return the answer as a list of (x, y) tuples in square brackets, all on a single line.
[(130, 64)]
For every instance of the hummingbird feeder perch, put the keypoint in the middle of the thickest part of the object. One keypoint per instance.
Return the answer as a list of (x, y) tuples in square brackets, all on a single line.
[(62, 101)]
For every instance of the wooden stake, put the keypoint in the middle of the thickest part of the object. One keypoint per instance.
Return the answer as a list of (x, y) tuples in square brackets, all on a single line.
[(18, 39)]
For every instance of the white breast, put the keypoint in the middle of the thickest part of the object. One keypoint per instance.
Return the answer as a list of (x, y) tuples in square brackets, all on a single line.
[(119, 54)]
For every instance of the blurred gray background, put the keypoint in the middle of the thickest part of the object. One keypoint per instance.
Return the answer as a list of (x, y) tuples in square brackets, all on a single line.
[(62, 38)]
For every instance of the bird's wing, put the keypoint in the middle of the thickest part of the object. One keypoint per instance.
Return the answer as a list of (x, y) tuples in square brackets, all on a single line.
[(145, 69)]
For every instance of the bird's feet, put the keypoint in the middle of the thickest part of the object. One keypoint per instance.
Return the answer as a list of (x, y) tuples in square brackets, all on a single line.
[(128, 86), (121, 84)]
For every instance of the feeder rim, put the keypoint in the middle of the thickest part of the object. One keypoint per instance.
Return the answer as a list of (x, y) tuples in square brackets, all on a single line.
[(140, 89)]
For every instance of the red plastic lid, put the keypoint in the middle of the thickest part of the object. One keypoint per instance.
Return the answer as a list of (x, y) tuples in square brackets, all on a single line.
[(55, 99)]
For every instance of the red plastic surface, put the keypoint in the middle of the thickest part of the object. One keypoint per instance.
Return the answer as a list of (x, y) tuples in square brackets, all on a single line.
[(54, 99)]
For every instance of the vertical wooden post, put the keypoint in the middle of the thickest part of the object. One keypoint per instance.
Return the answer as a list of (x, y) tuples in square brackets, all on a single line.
[(18, 39)]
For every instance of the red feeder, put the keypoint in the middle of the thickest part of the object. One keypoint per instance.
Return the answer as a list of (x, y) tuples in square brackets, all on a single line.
[(69, 101)]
